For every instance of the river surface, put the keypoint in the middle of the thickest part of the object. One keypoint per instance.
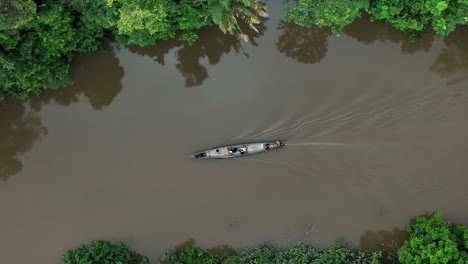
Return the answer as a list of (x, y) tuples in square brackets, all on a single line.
[(377, 130)]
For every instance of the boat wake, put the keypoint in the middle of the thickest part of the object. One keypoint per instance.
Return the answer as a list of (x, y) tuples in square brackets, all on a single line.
[(331, 144), (277, 162)]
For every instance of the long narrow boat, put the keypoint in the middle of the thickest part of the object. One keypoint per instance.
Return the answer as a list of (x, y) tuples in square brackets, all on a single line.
[(240, 150)]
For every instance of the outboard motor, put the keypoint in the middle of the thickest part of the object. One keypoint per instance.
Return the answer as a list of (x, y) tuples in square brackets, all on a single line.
[(280, 144)]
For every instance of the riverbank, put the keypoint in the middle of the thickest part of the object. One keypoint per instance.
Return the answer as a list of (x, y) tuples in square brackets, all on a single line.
[(38, 41), (431, 239), (378, 125)]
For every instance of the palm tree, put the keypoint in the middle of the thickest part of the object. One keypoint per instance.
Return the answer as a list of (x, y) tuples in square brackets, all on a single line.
[(225, 13)]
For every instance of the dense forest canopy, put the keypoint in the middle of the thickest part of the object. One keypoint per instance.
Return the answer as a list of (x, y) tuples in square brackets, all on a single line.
[(430, 239), (38, 38)]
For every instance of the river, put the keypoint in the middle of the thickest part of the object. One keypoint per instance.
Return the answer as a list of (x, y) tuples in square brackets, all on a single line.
[(376, 130)]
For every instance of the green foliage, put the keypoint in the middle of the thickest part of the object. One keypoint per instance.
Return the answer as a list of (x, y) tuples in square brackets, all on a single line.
[(142, 22), (335, 14), (54, 30), (189, 15), (411, 16), (190, 255), (266, 254), (37, 56), (224, 14), (16, 13), (102, 252), (39, 38), (37, 42), (300, 254), (340, 253), (417, 15), (461, 237), (433, 240), (259, 255), (93, 19)]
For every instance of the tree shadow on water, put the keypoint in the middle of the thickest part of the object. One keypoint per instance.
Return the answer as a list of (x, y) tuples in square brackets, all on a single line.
[(388, 241), (305, 45), (186, 244), (19, 129), (366, 31), (212, 44), (157, 52), (221, 250), (452, 61), (96, 76)]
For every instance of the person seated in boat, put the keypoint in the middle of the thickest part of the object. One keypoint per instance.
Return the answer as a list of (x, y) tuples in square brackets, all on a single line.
[(243, 150), (232, 150), (266, 147)]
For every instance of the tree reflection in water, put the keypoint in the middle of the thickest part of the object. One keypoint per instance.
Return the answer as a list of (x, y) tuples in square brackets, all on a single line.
[(19, 129), (452, 61), (212, 44), (305, 45), (96, 76)]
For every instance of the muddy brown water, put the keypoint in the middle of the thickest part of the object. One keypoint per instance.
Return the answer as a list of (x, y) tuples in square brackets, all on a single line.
[(376, 126)]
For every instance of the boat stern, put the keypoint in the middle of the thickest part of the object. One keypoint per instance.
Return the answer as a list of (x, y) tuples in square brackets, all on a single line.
[(279, 143)]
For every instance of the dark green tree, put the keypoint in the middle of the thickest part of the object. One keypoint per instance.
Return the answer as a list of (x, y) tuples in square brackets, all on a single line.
[(16, 13), (38, 41), (334, 14), (103, 252), (37, 56), (434, 240), (416, 15)]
